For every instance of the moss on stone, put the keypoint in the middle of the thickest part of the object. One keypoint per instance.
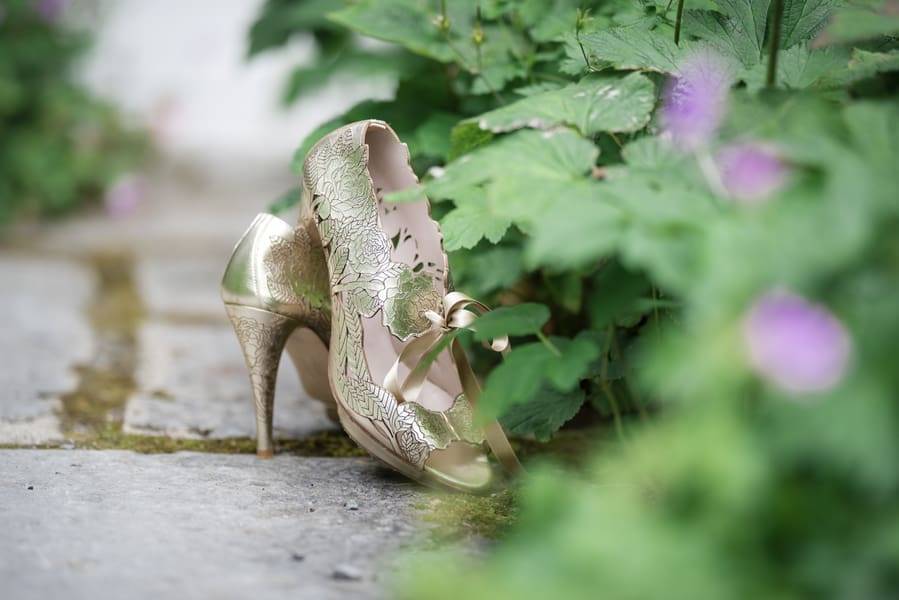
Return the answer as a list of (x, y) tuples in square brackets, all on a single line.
[(105, 384), (329, 444), (455, 517)]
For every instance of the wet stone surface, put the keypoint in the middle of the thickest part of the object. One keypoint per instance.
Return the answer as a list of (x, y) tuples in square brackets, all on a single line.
[(114, 524), (192, 383), (44, 335)]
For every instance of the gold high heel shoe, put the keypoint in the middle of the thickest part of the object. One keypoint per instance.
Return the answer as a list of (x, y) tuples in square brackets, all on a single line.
[(275, 290), (391, 311)]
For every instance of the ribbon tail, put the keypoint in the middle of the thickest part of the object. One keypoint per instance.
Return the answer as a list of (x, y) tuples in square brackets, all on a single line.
[(493, 432), (410, 388)]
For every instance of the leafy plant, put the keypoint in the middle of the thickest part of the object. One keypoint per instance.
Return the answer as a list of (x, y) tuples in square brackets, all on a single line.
[(709, 217), (58, 145)]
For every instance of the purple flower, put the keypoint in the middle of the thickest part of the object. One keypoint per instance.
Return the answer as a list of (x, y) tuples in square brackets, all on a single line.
[(50, 10), (751, 172), (696, 99), (798, 346), (124, 196)]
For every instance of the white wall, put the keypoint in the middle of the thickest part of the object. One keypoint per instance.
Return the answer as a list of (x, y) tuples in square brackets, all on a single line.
[(179, 66)]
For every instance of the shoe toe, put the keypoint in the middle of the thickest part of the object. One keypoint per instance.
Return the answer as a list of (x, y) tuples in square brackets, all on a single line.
[(461, 466)]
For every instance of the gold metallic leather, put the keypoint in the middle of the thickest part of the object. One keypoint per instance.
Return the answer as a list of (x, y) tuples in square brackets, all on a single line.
[(281, 269), (343, 204)]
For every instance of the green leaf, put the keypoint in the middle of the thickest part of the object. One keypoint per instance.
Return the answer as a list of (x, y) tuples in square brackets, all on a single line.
[(859, 23), (725, 34), (514, 381), (561, 241), (484, 270), (616, 292), (289, 198), (549, 18), (409, 23), (803, 19), (565, 289), (524, 174), (863, 65), (651, 153), (545, 414), (874, 128), (633, 47), (466, 137), (565, 371), (800, 67), (469, 223), (521, 319), (749, 16), (596, 103), (432, 137), (278, 21), (523, 372)]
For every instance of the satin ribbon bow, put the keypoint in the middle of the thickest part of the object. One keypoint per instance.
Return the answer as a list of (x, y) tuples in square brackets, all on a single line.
[(423, 349)]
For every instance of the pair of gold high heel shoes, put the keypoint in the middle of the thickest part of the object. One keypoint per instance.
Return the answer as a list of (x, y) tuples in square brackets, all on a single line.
[(358, 293)]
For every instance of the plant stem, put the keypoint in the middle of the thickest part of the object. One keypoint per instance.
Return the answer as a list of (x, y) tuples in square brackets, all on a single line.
[(677, 21), (548, 343), (578, 25), (775, 42), (606, 388)]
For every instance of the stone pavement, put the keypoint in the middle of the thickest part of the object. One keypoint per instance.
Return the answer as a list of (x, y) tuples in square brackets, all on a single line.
[(113, 524), (113, 339)]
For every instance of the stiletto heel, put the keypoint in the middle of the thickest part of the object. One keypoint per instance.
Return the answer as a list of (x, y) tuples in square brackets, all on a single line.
[(262, 335), (275, 290)]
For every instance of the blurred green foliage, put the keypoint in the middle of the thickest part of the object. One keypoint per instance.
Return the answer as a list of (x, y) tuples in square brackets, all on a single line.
[(555, 184), (58, 145)]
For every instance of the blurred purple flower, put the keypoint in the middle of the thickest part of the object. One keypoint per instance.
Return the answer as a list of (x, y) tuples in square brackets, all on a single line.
[(50, 10), (798, 346), (751, 172), (696, 99), (124, 196)]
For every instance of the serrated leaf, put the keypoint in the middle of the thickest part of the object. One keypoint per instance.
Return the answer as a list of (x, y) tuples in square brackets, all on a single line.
[(596, 103), (522, 319), (799, 67), (803, 19), (545, 414), (469, 223), (750, 16), (723, 33), (633, 47), (523, 174)]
